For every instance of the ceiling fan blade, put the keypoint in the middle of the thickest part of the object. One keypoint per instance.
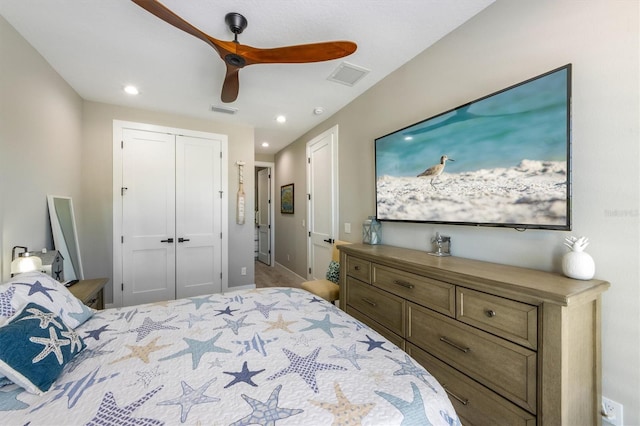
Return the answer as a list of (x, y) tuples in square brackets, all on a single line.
[(231, 85), (161, 11), (302, 53)]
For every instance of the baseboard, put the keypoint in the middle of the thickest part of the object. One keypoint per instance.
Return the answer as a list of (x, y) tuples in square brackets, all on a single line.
[(240, 287), (289, 271)]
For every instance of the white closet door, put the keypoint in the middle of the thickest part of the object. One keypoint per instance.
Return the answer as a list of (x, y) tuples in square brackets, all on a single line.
[(264, 216), (198, 221), (148, 204)]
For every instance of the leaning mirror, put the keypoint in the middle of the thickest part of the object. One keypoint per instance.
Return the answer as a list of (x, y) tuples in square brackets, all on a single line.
[(65, 237)]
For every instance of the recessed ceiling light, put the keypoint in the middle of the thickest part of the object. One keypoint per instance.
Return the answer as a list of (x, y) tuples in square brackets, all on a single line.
[(132, 90), (281, 119), (318, 110), (265, 144)]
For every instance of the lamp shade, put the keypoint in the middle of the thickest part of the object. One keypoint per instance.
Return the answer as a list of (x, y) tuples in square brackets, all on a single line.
[(25, 264)]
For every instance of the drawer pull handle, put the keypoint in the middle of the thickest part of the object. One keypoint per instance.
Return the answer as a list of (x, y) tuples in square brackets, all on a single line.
[(357, 267), (403, 284), (372, 303), (490, 313), (453, 395), (458, 347)]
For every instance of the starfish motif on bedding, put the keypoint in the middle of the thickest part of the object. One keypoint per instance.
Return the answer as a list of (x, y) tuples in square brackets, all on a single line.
[(146, 376), (9, 400), (407, 367), (265, 310), (245, 376), (6, 308), (110, 413), (74, 389), (227, 311), (51, 345), (412, 411), (141, 352), (45, 318), (349, 354), (190, 398), (95, 334), (373, 344), (324, 324), (197, 349), (234, 325), (279, 324), (200, 301), (192, 319), (37, 287), (265, 413), (148, 326), (286, 291), (344, 411), (256, 343), (87, 354), (307, 367)]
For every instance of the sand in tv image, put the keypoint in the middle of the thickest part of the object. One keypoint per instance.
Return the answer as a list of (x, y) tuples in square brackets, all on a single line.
[(501, 160)]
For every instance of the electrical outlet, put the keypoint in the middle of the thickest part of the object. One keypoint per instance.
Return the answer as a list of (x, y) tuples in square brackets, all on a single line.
[(243, 271), (611, 412), (347, 228)]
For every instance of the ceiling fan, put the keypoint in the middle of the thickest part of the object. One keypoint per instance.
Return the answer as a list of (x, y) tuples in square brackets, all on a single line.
[(237, 56)]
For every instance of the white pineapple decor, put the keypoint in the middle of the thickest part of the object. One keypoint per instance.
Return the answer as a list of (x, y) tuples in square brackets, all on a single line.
[(577, 263)]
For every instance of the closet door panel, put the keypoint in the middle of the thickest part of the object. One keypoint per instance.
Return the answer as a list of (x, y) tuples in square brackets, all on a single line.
[(198, 221), (148, 204)]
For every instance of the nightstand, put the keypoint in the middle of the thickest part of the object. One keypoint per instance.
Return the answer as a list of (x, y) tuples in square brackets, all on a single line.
[(90, 292)]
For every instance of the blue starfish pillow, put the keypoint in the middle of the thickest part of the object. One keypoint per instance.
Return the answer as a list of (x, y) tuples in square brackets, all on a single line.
[(35, 346), (39, 288)]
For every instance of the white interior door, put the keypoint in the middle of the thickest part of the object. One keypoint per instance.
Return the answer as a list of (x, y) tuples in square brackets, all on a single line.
[(198, 223), (264, 215), (322, 186), (148, 217)]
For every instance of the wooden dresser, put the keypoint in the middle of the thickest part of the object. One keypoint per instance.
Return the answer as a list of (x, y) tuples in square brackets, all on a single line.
[(510, 345)]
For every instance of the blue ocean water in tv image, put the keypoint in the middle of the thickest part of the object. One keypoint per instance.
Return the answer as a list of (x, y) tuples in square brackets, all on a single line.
[(506, 160)]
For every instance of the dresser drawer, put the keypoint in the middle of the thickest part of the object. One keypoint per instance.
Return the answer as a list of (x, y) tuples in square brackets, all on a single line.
[(434, 294), (502, 366), (358, 268), (386, 333), (474, 404), (380, 306), (512, 320)]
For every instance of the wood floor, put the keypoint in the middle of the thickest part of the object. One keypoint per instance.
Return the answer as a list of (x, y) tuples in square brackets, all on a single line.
[(275, 276)]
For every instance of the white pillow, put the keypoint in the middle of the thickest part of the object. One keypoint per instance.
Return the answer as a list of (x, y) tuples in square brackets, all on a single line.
[(39, 288)]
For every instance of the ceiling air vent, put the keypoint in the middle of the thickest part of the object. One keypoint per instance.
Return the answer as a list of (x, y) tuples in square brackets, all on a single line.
[(224, 109), (348, 74)]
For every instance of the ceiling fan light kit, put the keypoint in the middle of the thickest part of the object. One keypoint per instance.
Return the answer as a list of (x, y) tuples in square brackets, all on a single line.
[(236, 56)]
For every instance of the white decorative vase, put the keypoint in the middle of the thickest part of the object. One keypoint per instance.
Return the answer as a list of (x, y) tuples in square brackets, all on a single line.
[(578, 265)]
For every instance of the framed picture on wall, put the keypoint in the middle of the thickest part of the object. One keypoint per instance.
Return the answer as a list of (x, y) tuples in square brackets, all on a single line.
[(286, 199)]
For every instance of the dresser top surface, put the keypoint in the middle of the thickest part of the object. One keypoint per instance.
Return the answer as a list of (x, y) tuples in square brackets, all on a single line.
[(545, 286)]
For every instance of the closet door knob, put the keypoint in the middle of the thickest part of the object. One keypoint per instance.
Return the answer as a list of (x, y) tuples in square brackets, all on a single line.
[(182, 240), (168, 240)]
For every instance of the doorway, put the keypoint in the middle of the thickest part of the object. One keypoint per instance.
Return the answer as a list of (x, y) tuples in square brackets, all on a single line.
[(322, 187), (265, 229)]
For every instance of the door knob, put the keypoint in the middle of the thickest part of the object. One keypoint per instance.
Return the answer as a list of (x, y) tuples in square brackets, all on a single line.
[(182, 240), (168, 240), (329, 240)]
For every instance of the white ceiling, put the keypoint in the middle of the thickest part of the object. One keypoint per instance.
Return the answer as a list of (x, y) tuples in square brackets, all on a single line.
[(99, 46)]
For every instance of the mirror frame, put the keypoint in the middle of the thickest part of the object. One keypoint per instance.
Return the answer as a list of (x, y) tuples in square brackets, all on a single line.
[(65, 235)]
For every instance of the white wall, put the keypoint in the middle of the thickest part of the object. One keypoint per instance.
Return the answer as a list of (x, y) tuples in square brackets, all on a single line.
[(40, 139), (507, 43)]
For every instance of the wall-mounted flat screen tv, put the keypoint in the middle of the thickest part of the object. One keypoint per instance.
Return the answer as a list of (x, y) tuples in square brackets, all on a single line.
[(502, 160)]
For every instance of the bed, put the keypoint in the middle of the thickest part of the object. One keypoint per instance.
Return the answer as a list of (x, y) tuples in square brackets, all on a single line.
[(272, 356)]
